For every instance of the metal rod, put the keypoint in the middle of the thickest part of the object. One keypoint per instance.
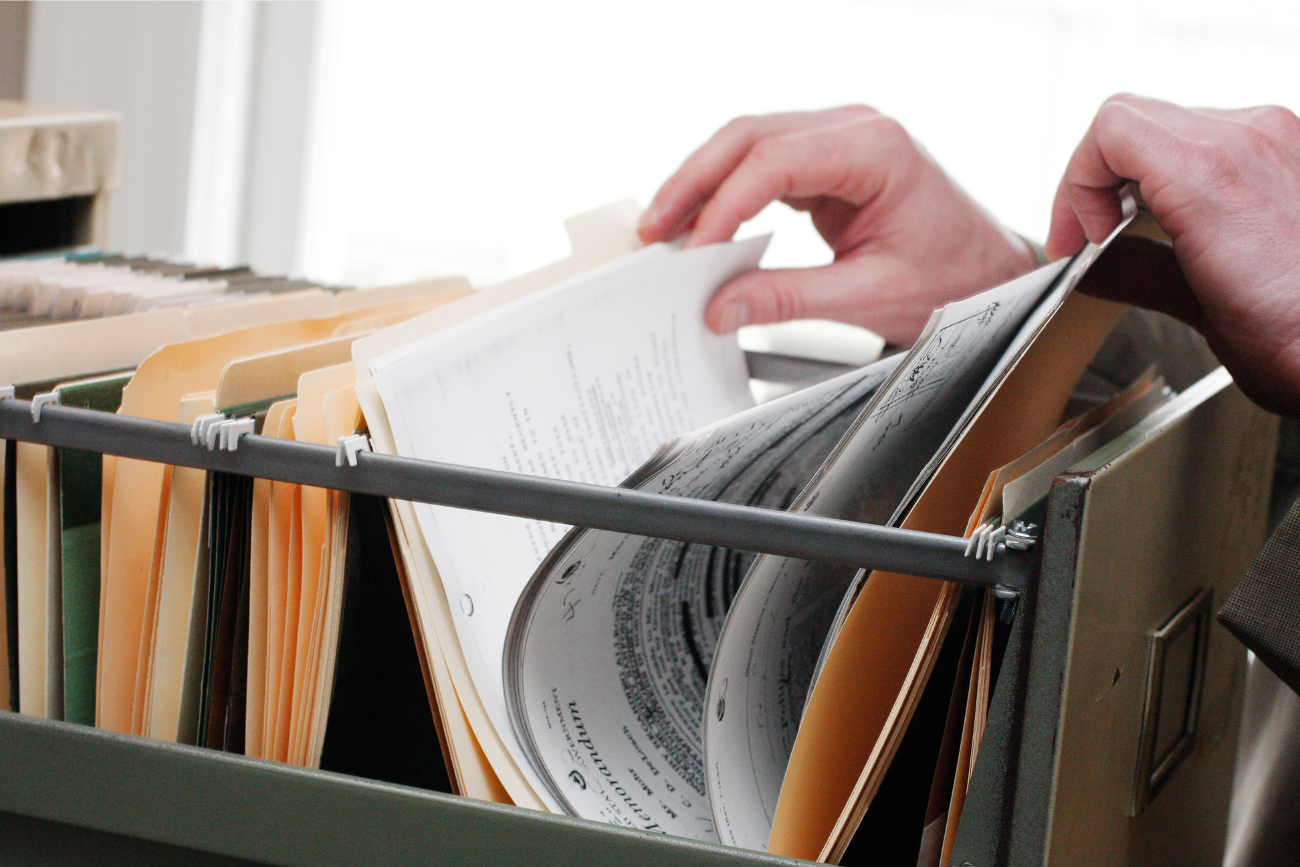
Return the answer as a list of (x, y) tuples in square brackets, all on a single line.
[(745, 528)]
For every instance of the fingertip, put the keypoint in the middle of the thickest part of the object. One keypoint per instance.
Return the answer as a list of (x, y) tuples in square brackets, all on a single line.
[(1058, 243), (1063, 242), (698, 238), (1067, 234), (648, 225), (729, 309)]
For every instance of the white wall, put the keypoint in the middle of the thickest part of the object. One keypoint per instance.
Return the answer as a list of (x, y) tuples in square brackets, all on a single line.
[(137, 58), (283, 73), (215, 99), (13, 47), (460, 134), (384, 141)]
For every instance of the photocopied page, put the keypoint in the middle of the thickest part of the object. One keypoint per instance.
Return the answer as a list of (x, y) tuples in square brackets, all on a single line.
[(582, 381), (881, 650), (655, 607), (781, 617)]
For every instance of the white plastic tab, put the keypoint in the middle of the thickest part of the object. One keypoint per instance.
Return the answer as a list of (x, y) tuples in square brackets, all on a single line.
[(41, 400), (199, 430), (975, 539), (232, 430), (991, 542), (984, 541), (6, 391), (348, 448)]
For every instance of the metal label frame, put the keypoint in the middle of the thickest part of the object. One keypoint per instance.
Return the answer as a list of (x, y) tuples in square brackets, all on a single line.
[(1154, 771)]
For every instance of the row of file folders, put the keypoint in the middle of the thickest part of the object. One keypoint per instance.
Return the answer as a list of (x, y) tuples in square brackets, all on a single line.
[(803, 708), (78, 324)]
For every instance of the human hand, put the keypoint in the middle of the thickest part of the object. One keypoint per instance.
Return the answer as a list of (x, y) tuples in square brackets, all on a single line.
[(1225, 186), (906, 238)]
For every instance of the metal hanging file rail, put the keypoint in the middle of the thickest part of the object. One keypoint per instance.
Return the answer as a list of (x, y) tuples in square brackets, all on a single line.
[(744, 528)]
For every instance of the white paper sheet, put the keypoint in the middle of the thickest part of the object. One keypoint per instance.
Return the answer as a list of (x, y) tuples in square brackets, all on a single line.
[(613, 640), (582, 381), (776, 632)]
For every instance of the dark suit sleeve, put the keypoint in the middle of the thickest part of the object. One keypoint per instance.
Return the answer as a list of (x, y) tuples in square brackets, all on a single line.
[(1264, 609)]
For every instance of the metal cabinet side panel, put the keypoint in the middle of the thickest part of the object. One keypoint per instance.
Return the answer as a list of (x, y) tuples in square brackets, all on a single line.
[(276, 814)]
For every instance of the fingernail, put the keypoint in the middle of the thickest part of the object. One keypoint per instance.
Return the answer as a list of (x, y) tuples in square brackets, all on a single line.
[(736, 315), (649, 216)]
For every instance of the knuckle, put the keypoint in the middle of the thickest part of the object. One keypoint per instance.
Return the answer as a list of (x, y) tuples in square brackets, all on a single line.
[(888, 129), (1280, 120), (858, 111), (1122, 98), (1115, 109), (771, 151), (891, 141), (740, 127), (741, 124), (1253, 141)]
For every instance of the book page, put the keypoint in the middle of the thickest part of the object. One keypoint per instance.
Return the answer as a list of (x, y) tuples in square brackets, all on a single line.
[(582, 381), (655, 607)]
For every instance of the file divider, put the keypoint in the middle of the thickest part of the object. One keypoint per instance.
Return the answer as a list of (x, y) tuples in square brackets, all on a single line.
[(746, 528)]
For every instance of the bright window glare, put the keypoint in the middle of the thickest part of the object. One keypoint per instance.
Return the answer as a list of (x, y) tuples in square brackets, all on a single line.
[(453, 138)]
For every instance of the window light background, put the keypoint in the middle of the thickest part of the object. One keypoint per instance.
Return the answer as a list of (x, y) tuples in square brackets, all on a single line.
[(454, 138)]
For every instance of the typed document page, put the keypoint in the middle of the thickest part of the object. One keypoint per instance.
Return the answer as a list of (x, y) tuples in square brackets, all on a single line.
[(610, 651), (778, 627), (581, 381)]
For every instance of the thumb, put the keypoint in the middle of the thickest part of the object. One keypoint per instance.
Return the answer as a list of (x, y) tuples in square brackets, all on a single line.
[(864, 290)]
